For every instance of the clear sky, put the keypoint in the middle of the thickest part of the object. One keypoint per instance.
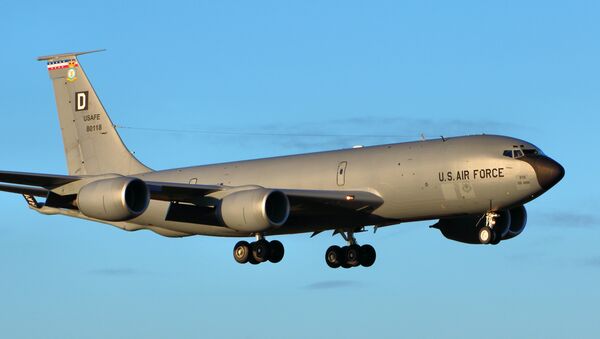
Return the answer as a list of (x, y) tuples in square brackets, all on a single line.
[(528, 69)]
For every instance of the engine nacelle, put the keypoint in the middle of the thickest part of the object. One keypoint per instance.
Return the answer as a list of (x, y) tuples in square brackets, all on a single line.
[(115, 199), (465, 229), (254, 210), (462, 229), (518, 221)]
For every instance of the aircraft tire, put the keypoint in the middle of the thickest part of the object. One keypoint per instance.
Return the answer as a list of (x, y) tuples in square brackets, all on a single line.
[(367, 255), (277, 251), (333, 256), (353, 255), (242, 252), (343, 261), (486, 235), (260, 250)]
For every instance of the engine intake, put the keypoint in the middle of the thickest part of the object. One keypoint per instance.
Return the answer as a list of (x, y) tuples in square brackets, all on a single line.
[(254, 210), (115, 199), (518, 222)]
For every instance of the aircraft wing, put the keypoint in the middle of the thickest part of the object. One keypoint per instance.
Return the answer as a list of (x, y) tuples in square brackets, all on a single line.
[(34, 184), (188, 203), (349, 200), (355, 200), (35, 191), (36, 179), (324, 207), (307, 207), (168, 191)]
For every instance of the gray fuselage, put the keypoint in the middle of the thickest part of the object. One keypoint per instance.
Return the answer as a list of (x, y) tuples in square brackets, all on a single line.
[(416, 180)]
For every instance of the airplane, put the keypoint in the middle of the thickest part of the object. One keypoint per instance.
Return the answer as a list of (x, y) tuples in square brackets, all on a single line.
[(475, 186)]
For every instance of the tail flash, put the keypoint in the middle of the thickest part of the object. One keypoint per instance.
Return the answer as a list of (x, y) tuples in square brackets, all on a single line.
[(92, 145)]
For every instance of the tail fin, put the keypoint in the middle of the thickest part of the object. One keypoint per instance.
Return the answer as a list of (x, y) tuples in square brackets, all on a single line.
[(92, 145)]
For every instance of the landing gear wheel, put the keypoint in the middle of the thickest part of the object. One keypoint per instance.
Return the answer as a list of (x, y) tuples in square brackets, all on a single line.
[(277, 251), (242, 252), (260, 250), (333, 256), (343, 260), (486, 235), (367, 255), (353, 255)]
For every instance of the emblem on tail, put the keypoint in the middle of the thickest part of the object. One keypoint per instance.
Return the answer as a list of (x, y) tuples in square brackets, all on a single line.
[(72, 72)]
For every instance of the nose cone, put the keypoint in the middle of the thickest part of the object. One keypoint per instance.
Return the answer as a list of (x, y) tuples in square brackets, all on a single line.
[(548, 171)]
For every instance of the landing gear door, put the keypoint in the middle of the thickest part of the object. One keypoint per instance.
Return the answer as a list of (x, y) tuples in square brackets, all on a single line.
[(341, 173)]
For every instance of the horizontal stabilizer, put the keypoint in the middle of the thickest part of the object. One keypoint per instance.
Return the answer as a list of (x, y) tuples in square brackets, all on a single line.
[(66, 55)]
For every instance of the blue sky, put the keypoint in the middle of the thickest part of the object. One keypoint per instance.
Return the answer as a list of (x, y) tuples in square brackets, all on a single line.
[(528, 69)]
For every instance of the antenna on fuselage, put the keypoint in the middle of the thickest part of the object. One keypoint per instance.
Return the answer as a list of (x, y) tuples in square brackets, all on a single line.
[(443, 139)]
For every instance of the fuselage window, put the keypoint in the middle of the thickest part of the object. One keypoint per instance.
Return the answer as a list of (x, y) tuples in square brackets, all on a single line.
[(508, 153)]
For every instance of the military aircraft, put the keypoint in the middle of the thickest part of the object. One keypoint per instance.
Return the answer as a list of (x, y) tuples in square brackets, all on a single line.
[(475, 186)]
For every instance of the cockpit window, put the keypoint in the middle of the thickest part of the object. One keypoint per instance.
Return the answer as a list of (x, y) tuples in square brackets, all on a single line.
[(530, 152), (521, 152), (518, 154)]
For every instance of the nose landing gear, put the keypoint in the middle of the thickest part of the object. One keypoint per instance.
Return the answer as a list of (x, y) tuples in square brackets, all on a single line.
[(352, 255), (486, 234)]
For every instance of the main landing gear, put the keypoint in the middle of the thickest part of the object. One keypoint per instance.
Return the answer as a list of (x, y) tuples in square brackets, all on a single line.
[(258, 251), (262, 250), (350, 256), (486, 234)]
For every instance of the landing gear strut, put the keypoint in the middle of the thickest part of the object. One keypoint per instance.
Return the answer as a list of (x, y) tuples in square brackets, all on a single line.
[(487, 235), (350, 256), (258, 251)]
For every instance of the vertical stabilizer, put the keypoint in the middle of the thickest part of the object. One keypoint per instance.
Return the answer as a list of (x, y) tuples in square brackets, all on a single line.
[(92, 145)]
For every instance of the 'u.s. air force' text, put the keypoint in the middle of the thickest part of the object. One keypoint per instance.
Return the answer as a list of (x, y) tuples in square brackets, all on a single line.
[(483, 173)]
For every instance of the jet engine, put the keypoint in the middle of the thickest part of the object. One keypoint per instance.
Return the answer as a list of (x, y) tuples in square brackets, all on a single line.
[(115, 199), (518, 221), (508, 224), (254, 210)]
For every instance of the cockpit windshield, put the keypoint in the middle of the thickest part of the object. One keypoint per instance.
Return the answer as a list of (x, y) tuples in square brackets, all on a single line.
[(531, 152), (519, 153)]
